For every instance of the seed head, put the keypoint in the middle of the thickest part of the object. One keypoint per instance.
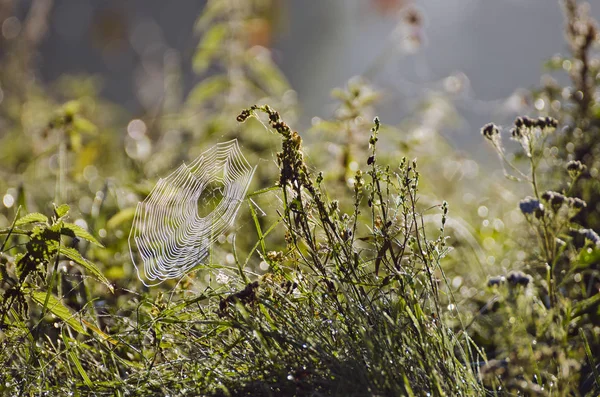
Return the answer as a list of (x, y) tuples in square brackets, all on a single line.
[(529, 206)]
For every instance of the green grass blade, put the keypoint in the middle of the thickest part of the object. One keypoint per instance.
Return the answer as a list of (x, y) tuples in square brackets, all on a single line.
[(76, 362), (58, 309), (76, 257), (590, 357)]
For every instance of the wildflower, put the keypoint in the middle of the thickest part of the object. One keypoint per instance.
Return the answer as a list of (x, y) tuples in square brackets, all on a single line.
[(522, 133), (490, 131), (547, 124), (555, 199), (519, 122), (529, 206), (518, 278), (496, 281), (590, 235), (575, 168), (577, 203), (528, 122), (540, 122)]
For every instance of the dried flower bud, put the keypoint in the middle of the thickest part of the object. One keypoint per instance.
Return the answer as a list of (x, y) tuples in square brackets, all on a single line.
[(243, 116)]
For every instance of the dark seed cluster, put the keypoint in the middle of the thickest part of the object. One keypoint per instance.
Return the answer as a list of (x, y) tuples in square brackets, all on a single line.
[(590, 235), (540, 122), (518, 278), (496, 281), (490, 130), (529, 206)]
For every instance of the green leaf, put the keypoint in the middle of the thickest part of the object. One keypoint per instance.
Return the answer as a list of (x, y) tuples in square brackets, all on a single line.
[(58, 309), (267, 73), (208, 47), (262, 191), (76, 257), (586, 306), (34, 217), (71, 229), (122, 216), (61, 210), (207, 89), (85, 126), (212, 11), (587, 257), (71, 107), (76, 362), (97, 330)]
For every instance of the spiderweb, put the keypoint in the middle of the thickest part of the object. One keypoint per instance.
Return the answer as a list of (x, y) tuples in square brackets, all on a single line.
[(174, 227)]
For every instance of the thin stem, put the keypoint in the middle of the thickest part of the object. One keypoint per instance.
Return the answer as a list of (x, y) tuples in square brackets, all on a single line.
[(60, 194), (507, 162)]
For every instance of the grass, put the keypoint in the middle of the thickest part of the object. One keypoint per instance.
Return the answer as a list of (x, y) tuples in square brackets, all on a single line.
[(347, 272)]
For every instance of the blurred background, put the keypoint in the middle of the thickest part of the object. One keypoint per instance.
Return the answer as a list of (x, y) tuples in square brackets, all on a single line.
[(480, 52)]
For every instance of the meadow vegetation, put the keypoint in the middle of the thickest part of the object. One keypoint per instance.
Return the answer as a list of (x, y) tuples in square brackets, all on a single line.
[(375, 261)]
